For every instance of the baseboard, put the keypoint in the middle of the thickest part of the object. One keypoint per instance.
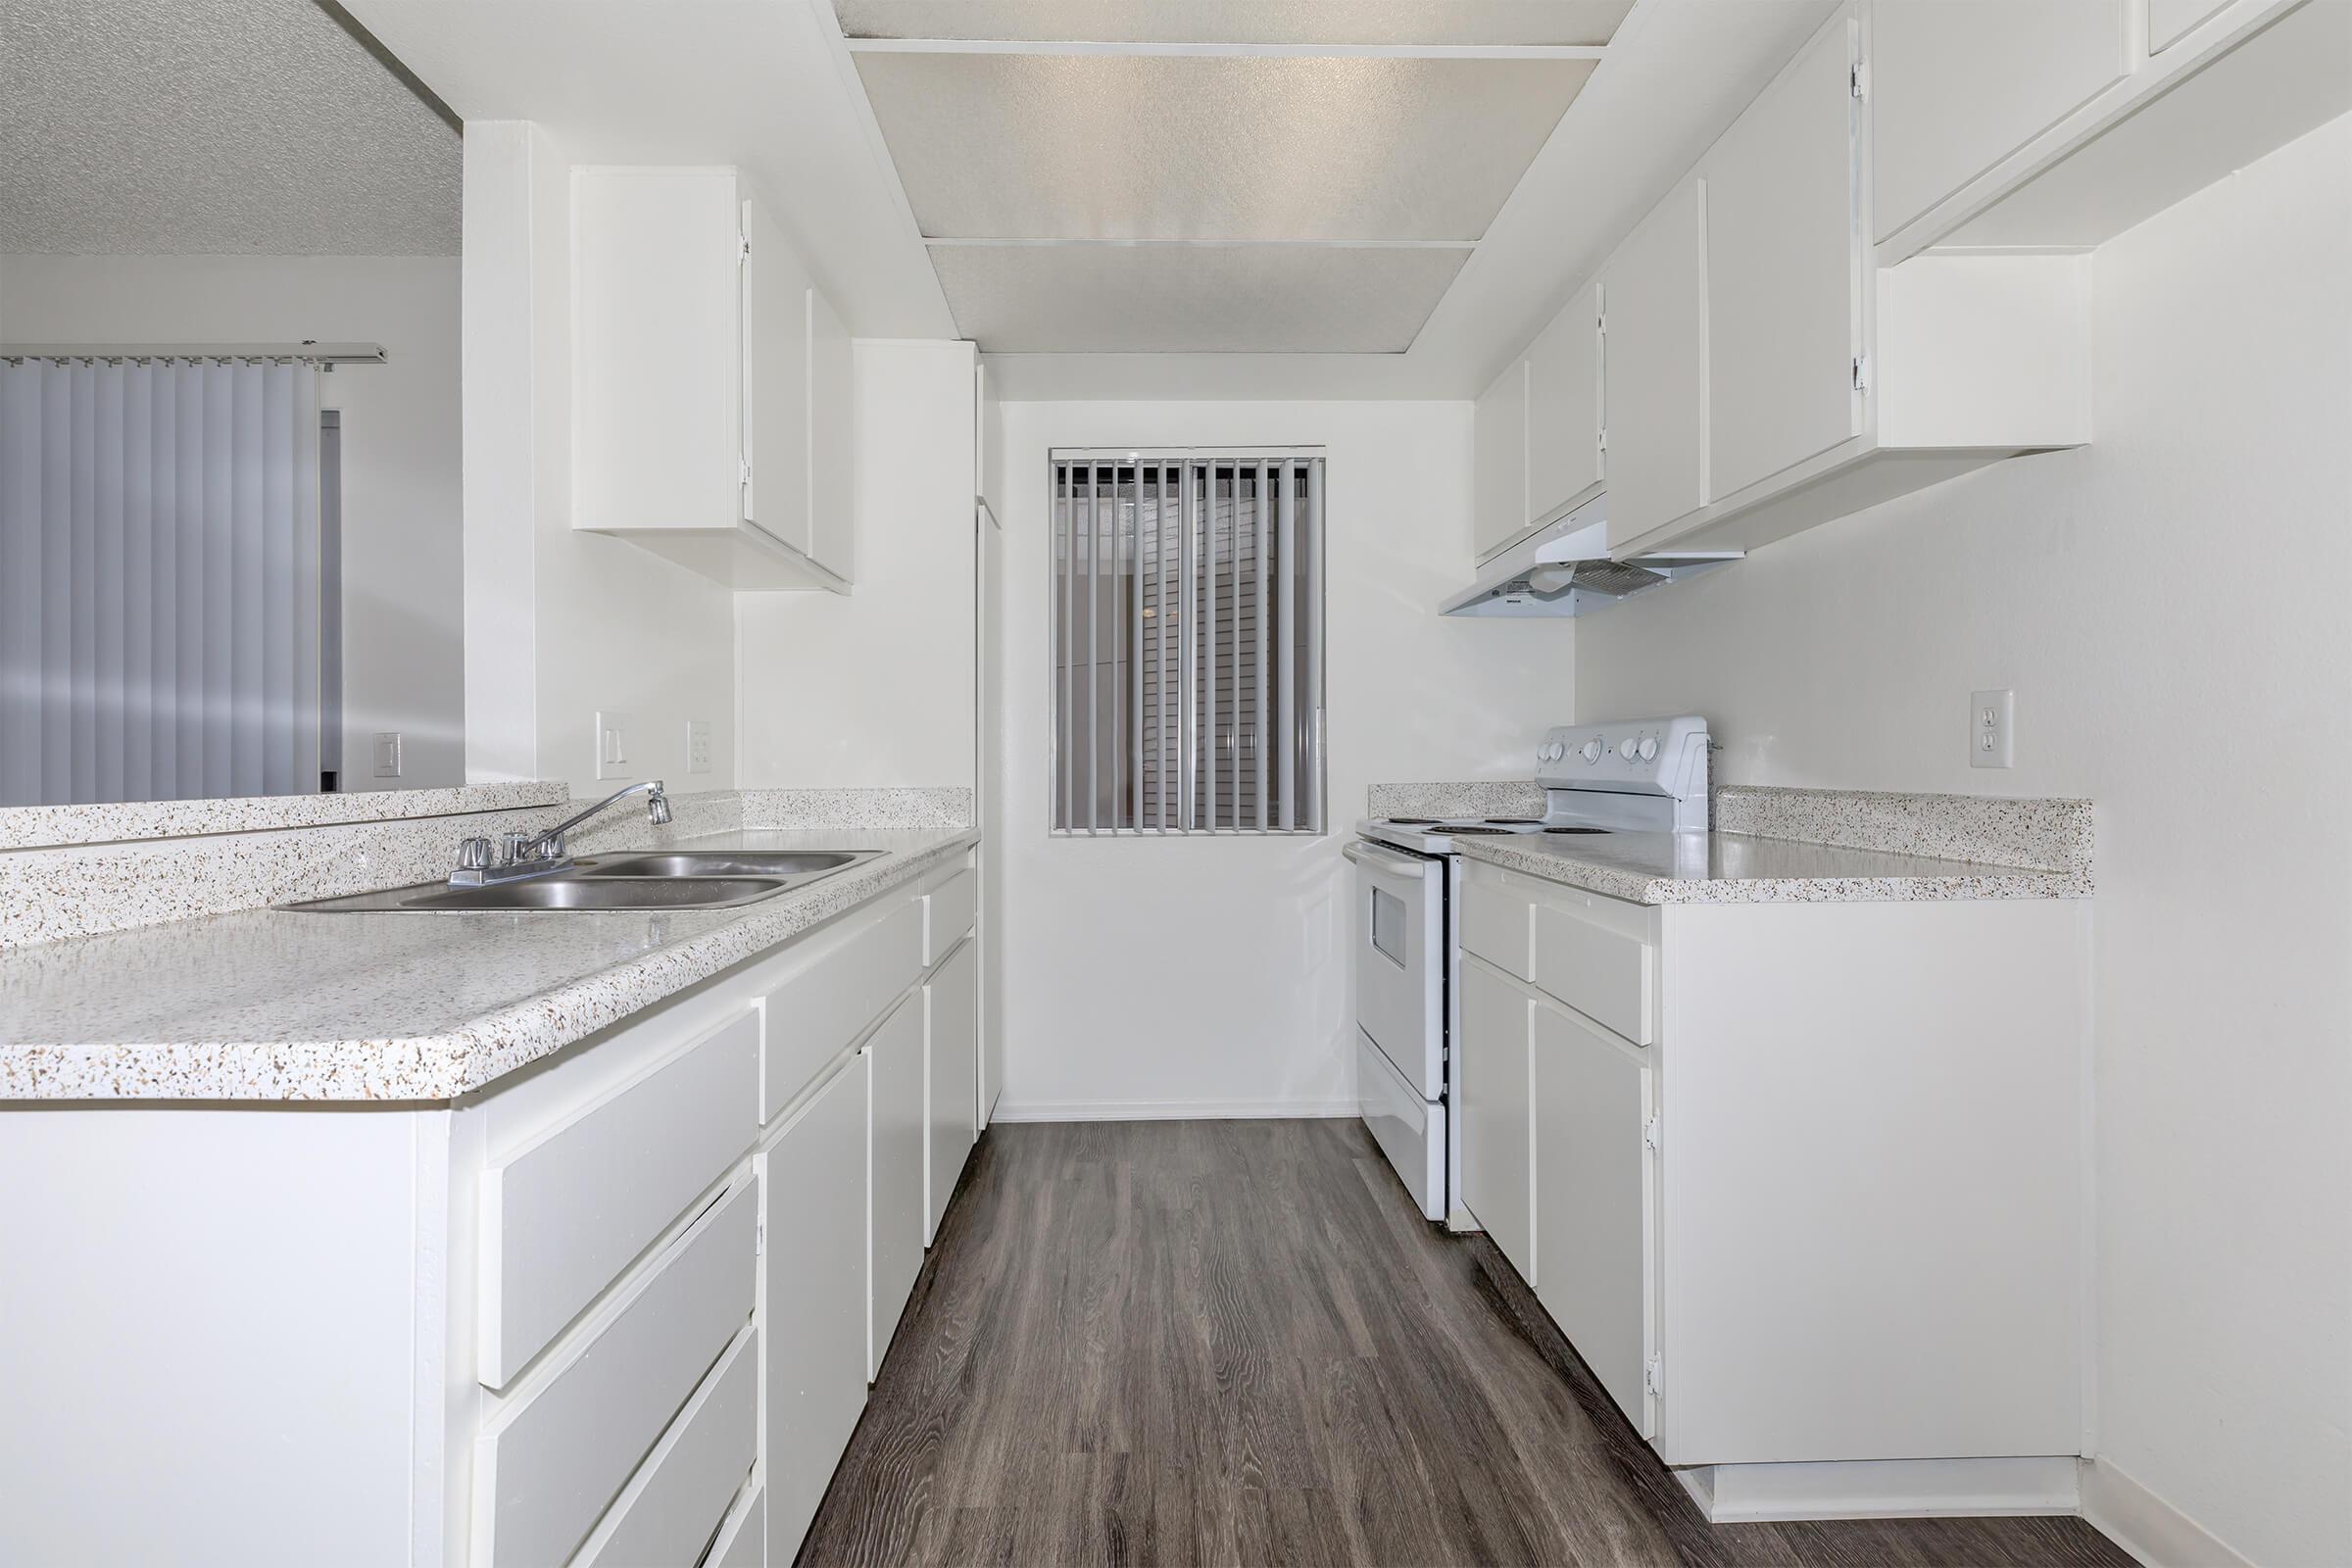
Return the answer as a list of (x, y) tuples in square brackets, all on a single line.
[(1009, 1110), (2146, 1525), (1882, 1489)]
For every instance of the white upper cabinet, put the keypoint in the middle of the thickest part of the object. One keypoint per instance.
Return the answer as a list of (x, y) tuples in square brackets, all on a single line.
[(1501, 506), (2171, 21), (1958, 85), (1785, 271), (1563, 409), (710, 382), (1653, 294)]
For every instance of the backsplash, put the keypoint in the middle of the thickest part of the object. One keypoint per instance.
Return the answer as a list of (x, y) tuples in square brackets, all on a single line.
[(943, 806), (1476, 797)]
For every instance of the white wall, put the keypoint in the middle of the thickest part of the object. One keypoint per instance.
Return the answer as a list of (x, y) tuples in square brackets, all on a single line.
[(1209, 976), (875, 687), (561, 624), (402, 618), (2169, 603)]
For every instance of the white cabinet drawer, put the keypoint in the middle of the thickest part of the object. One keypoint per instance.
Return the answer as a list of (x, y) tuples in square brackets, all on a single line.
[(743, 1540), (549, 1464), (1498, 925), (679, 1498), (814, 1014), (1608, 975), (952, 1007), (565, 1214), (948, 913)]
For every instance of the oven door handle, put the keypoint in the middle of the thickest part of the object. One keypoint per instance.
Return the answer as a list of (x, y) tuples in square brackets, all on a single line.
[(1376, 858)]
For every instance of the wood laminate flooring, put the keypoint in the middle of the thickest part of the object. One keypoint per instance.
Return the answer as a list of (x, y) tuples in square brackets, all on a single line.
[(1235, 1341)]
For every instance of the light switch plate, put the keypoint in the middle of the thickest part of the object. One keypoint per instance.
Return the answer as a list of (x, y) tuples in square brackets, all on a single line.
[(697, 746), (612, 744), (1993, 729), (388, 753)]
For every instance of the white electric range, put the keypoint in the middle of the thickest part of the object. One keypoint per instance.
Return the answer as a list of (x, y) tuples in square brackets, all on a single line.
[(1633, 776)]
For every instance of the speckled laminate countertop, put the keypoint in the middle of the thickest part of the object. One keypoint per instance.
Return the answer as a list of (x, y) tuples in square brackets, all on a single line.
[(268, 1004), (1743, 868)]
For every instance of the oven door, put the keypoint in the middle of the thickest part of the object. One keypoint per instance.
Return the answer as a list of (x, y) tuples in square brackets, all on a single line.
[(1400, 960)]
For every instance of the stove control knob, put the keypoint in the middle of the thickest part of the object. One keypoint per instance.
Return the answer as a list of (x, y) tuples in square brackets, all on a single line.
[(1592, 750), (1629, 748), (1548, 752), (1649, 748)]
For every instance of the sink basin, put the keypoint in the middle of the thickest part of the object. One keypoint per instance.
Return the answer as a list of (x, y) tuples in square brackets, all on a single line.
[(728, 863), (609, 893), (707, 879)]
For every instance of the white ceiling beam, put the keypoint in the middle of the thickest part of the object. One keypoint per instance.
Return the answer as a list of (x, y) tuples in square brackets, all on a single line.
[(1230, 51)]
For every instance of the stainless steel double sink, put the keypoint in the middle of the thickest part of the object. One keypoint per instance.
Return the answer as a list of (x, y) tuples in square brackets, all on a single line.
[(673, 879)]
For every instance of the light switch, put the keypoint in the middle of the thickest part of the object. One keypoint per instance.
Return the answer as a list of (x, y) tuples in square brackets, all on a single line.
[(612, 744), (388, 753)]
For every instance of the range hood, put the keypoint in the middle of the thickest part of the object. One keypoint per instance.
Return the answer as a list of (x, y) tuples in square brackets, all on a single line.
[(1565, 570)]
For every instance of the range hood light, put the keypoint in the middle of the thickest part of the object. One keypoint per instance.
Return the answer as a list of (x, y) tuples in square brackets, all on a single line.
[(1566, 571)]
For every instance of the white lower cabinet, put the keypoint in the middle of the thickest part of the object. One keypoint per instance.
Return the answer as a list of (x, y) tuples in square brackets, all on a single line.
[(743, 1540), (951, 1020), (896, 1138), (1595, 1183), (814, 1185), (1491, 1081), (680, 1497)]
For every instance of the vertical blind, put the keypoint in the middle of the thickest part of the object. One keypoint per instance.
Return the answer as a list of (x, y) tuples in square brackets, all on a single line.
[(1188, 642), (159, 580)]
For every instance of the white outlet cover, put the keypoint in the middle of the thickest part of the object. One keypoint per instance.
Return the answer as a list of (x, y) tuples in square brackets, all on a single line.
[(1992, 729), (388, 753), (612, 744), (697, 746)]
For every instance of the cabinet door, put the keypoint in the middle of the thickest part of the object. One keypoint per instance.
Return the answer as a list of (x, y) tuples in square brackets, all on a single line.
[(1500, 507), (895, 1140), (1491, 1071), (2171, 21), (832, 495), (952, 1007), (1957, 85), (813, 1183), (776, 375), (1654, 288), (1563, 407), (1785, 271), (1596, 1203)]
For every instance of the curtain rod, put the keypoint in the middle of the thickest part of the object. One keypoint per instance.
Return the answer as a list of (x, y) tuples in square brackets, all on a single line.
[(309, 351)]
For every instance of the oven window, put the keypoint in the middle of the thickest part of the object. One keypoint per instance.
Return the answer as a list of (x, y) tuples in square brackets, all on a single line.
[(1388, 922)]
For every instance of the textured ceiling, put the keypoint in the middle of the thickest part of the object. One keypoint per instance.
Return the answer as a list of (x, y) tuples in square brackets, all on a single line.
[(213, 128), (1219, 148), (1330, 21)]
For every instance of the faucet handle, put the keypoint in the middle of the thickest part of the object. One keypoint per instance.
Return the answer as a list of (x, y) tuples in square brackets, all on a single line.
[(511, 847), (473, 854)]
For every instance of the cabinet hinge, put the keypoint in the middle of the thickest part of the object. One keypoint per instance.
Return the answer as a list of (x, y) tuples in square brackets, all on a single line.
[(1600, 441), (1861, 373), (745, 477), (759, 1237), (742, 246), (1857, 82), (1651, 1132), (1653, 1378)]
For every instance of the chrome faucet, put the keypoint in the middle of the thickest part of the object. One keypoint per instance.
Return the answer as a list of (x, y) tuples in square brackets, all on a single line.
[(527, 854)]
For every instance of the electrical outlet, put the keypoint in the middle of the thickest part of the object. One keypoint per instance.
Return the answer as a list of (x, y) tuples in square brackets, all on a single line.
[(1993, 729), (612, 744), (388, 753), (697, 746)]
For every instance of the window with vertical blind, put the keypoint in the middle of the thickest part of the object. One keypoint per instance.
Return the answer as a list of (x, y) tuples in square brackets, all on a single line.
[(1188, 641)]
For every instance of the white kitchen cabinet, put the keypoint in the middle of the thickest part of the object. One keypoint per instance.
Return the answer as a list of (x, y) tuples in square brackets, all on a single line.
[(1653, 292), (710, 382), (895, 1139), (1500, 512), (1563, 409), (813, 1181), (2171, 21), (1958, 85), (1595, 1206), (1785, 271), (1492, 1083), (950, 1090)]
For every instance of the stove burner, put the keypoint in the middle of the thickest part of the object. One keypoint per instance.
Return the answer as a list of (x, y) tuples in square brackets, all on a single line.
[(1576, 831), (1515, 822), (1413, 821)]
